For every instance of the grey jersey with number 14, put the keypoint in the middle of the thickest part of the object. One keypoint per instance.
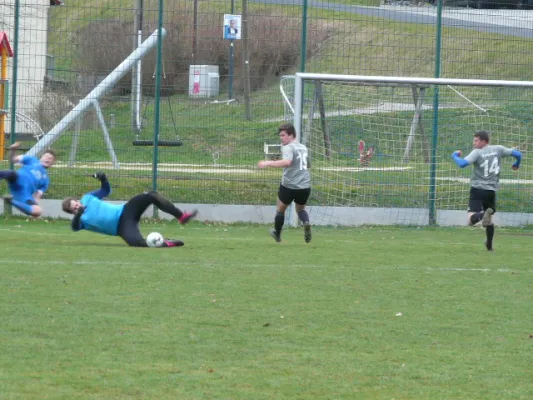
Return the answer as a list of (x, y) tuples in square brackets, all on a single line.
[(296, 175), (487, 165)]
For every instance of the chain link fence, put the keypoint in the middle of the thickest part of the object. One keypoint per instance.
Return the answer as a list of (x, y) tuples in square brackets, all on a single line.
[(222, 93)]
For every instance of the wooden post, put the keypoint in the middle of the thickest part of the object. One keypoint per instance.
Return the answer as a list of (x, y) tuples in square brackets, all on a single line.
[(322, 112), (425, 142), (416, 122)]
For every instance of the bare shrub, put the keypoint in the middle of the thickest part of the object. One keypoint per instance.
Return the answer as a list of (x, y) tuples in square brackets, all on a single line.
[(52, 107), (274, 47)]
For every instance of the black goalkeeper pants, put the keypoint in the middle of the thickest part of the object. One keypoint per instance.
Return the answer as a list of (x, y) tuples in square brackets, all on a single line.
[(128, 225)]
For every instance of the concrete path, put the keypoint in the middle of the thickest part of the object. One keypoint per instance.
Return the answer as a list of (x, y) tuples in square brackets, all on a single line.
[(506, 22)]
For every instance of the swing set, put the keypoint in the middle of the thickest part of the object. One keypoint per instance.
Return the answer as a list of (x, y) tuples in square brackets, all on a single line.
[(160, 143)]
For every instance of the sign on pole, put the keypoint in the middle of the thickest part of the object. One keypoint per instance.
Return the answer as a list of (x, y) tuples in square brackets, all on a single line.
[(232, 26)]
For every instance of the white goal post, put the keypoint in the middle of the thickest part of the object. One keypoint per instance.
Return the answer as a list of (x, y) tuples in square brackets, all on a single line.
[(300, 77), (380, 146)]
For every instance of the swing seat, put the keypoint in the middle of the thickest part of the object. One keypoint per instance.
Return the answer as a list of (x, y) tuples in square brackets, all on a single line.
[(162, 143)]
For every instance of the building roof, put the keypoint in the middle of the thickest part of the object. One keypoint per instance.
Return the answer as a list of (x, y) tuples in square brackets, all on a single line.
[(4, 42)]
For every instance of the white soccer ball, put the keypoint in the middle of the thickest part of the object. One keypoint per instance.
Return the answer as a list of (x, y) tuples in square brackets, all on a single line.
[(155, 239)]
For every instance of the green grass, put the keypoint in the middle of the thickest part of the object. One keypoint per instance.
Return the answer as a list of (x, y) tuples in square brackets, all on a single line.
[(233, 315)]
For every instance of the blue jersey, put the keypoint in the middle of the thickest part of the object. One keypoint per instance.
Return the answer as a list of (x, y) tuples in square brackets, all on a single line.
[(100, 216), (31, 177)]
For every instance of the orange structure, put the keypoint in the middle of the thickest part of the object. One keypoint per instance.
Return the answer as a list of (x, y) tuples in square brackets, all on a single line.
[(5, 52)]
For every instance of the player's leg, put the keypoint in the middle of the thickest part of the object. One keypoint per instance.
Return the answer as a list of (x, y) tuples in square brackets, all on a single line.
[(26, 207), (475, 206), (8, 175), (137, 205), (167, 206), (489, 207), (285, 198), (129, 232), (489, 204), (128, 227), (21, 198), (300, 201)]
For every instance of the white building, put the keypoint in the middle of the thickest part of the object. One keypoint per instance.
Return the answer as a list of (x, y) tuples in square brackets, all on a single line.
[(32, 49)]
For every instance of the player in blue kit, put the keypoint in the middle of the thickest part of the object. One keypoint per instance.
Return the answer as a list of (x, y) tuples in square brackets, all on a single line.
[(28, 184), (93, 214)]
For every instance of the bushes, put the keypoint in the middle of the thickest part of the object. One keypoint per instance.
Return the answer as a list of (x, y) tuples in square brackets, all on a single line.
[(274, 48)]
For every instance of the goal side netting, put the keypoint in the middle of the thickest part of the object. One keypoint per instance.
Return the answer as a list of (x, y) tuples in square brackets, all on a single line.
[(381, 146)]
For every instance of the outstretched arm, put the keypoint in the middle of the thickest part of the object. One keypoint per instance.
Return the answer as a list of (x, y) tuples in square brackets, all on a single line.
[(516, 154), (13, 153), (105, 189), (274, 164), (76, 221), (461, 162), (37, 196), (41, 189)]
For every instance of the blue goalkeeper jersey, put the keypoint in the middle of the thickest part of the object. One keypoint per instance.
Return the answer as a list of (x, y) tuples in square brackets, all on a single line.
[(32, 177), (100, 216)]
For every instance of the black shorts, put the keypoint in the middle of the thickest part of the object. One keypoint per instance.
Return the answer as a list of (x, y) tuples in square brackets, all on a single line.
[(481, 199), (299, 196)]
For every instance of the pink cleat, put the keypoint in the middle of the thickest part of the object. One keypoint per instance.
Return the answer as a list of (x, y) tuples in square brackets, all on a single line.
[(174, 243), (186, 217)]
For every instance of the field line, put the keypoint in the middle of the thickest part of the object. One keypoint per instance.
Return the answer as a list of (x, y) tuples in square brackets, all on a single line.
[(211, 263), (35, 233), (216, 169)]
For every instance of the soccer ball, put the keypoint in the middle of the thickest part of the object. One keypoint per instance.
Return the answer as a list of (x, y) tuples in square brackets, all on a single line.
[(155, 239)]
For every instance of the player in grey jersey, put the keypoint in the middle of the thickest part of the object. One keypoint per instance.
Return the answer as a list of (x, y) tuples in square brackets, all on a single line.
[(295, 182), (486, 160)]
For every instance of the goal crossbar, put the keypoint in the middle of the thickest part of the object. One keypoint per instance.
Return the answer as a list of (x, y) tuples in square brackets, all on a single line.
[(300, 77), (412, 80)]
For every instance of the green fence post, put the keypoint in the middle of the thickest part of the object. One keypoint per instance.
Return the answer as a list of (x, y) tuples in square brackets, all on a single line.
[(303, 47), (155, 158), (435, 136), (231, 66)]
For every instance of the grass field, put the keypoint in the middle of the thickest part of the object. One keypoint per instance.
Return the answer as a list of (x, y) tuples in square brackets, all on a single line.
[(361, 313)]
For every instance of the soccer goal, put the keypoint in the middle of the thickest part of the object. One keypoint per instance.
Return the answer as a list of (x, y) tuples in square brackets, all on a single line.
[(381, 147)]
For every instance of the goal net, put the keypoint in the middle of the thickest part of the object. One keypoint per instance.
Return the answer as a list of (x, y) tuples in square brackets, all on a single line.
[(381, 147)]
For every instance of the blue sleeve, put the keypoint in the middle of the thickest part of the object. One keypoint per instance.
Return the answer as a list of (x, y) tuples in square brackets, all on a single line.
[(461, 162), (516, 154), (29, 160), (77, 225), (43, 187), (104, 191)]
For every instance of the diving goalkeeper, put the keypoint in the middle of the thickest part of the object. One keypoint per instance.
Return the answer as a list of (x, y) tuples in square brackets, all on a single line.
[(94, 214)]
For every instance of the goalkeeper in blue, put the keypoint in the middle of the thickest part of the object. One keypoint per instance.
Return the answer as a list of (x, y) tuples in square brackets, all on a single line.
[(28, 184), (94, 214), (484, 183)]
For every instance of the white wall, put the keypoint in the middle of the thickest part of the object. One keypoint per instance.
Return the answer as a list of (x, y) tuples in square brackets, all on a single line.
[(32, 48), (336, 216)]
